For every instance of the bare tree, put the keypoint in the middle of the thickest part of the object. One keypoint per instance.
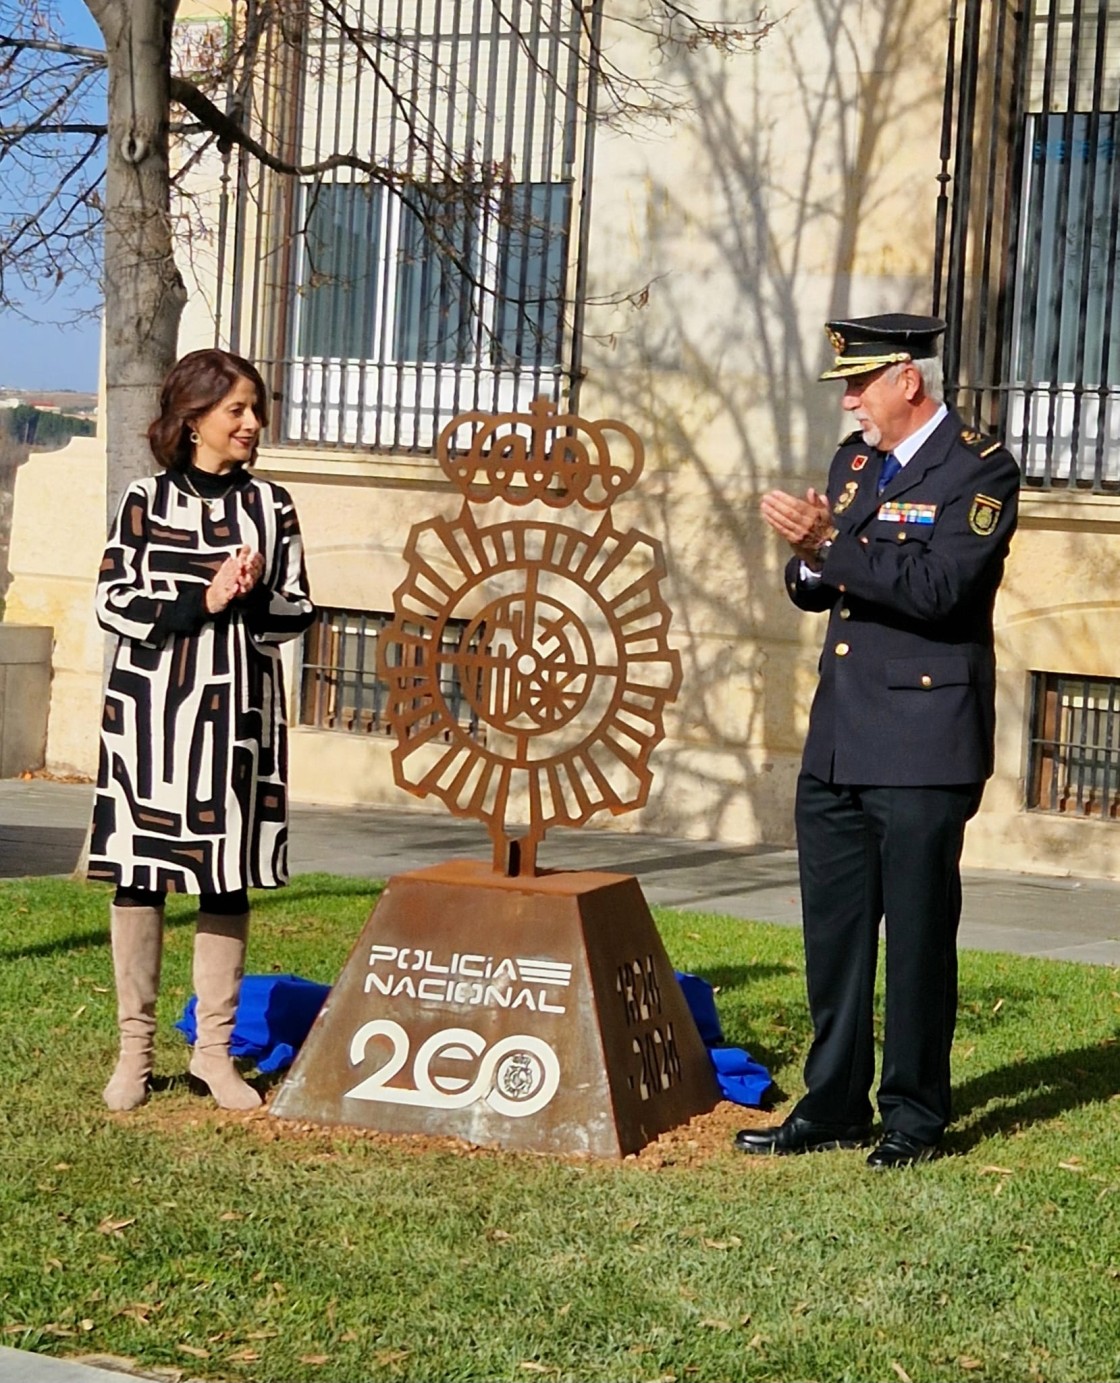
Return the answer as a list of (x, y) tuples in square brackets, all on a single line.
[(85, 151)]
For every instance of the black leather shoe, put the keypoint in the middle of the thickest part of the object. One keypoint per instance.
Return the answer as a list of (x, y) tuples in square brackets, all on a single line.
[(900, 1150), (799, 1135)]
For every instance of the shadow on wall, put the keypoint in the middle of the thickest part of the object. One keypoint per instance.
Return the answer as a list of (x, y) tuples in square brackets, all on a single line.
[(794, 159)]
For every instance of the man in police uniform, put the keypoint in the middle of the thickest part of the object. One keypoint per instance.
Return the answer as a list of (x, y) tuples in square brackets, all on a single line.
[(905, 552)]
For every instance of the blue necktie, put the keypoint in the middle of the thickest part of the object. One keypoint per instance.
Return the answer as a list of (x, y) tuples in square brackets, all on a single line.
[(891, 467)]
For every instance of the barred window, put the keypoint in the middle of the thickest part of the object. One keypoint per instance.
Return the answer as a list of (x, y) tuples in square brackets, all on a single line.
[(1074, 763), (448, 282), (339, 685), (458, 277), (1030, 251)]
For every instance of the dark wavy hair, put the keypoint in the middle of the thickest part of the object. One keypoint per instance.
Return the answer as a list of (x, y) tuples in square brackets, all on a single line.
[(195, 384)]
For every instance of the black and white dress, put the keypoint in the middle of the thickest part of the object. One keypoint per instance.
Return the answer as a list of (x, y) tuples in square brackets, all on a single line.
[(192, 778)]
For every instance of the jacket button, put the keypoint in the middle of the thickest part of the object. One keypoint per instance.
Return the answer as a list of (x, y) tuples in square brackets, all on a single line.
[(901, 535), (865, 541), (927, 680), (842, 650), (845, 613)]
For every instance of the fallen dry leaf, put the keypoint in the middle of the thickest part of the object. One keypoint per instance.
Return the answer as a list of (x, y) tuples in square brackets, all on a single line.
[(15, 1329), (193, 1351), (993, 1170), (139, 1311), (314, 1358), (967, 1362), (714, 1324), (901, 1371), (230, 1215), (998, 1005), (1073, 1165), (385, 1357), (111, 1226), (733, 1242), (245, 1356)]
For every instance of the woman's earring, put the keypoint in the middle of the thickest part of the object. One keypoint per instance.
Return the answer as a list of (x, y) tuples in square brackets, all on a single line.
[(195, 438)]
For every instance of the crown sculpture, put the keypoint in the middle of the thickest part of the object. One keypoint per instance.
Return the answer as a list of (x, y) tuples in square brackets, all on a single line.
[(555, 636)]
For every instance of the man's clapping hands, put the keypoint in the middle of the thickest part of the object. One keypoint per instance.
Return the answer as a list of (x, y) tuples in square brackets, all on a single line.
[(235, 577)]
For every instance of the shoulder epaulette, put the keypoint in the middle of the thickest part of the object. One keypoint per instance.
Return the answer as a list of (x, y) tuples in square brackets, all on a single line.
[(856, 436), (977, 442)]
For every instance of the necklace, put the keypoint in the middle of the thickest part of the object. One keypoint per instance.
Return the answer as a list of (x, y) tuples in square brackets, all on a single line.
[(209, 500)]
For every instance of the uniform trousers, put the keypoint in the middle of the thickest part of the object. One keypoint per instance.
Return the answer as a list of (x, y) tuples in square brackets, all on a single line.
[(866, 853)]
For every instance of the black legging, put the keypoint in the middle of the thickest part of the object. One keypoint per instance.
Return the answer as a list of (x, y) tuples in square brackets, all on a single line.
[(220, 904)]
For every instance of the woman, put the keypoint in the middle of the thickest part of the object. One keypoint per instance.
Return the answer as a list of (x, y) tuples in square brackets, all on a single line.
[(202, 578)]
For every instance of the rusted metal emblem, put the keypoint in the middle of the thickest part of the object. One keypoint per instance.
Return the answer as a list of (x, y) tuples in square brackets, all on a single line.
[(563, 654), (487, 1000)]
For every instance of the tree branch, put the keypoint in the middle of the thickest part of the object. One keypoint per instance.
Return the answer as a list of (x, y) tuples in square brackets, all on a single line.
[(38, 127), (231, 133), (44, 45)]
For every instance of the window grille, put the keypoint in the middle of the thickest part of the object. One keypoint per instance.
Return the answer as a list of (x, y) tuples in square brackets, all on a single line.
[(1074, 766), (339, 685), (1028, 269), (382, 303)]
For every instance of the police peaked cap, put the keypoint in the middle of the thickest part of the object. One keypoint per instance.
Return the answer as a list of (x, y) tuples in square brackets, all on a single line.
[(868, 343)]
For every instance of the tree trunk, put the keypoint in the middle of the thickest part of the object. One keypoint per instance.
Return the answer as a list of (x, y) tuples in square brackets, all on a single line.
[(144, 293)]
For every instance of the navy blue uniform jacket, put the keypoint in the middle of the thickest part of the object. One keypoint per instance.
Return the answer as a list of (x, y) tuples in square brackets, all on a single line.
[(907, 673)]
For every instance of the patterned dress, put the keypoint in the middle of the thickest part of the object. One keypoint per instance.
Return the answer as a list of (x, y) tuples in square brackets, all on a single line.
[(191, 783)]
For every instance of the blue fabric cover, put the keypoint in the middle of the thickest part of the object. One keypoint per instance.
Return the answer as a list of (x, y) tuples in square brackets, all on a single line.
[(741, 1079), (274, 1015)]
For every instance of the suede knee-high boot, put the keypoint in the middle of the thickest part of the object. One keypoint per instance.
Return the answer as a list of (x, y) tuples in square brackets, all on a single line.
[(219, 963), (137, 937)]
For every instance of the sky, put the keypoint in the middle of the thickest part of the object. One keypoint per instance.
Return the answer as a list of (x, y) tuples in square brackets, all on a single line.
[(41, 354)]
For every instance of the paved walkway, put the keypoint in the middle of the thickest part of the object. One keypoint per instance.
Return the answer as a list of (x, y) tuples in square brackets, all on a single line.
[(42, 827), (43, 823)]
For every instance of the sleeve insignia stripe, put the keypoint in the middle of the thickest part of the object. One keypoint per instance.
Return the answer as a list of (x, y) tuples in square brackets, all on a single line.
[(851, 489), (984, 514)]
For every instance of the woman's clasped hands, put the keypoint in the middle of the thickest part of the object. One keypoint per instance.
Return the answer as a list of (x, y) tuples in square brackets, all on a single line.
[(236, 577)]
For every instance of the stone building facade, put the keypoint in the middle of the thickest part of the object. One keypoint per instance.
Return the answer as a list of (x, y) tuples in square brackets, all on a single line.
[(673, 267)]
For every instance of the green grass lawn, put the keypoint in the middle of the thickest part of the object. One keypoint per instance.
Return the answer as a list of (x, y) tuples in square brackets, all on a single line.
[(234, 1247)]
